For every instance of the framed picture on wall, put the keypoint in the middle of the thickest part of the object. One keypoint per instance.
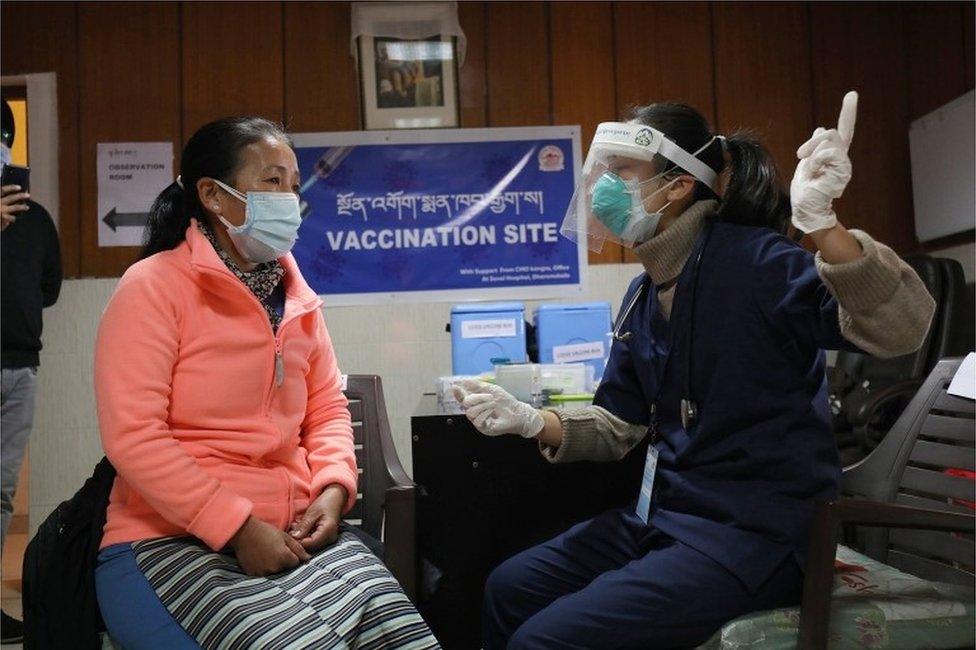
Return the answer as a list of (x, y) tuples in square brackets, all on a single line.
[(408, 84)]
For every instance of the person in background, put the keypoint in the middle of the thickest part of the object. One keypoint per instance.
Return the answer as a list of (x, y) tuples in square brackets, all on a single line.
[(30, 255), (718, 360), (220, 405)]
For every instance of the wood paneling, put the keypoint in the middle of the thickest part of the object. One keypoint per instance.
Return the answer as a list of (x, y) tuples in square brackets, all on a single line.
[(232, 61), (664, 53), (518, 64), (130, 92), (320, 82), (854, 50), (474, 89), (583, 86), (968, 27), (159, 71), (936, 60), (762, 75), (583, 81), (42, 37)]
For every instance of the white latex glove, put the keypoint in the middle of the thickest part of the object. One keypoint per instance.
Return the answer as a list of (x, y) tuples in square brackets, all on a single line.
[(493, 411), (824, 171)]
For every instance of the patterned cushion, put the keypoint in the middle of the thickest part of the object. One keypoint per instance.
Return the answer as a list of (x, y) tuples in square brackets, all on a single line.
[(873, 606)]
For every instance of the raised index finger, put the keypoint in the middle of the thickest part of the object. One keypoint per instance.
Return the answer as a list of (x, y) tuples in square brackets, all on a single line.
[(848, 116)]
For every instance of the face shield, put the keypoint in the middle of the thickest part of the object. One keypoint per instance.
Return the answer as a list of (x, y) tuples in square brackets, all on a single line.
[(618, 179)]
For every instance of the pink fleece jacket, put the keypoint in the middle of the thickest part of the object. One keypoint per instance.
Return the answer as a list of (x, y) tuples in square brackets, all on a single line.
[(191, 414)]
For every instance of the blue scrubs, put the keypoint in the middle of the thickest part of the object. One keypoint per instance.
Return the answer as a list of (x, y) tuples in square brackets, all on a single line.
[(734, 494), (613, 582)]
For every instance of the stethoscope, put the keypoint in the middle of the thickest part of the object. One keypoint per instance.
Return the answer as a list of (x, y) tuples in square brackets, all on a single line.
[(689, 408)]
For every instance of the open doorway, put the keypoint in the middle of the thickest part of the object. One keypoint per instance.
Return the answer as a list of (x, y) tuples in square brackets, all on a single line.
[(16, 97)]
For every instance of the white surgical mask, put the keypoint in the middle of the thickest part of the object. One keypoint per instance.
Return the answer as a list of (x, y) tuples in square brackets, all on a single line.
[(270, 228), (4, 155)]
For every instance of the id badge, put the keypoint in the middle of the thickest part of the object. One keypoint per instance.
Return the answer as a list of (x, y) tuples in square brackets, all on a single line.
[(647, 484)]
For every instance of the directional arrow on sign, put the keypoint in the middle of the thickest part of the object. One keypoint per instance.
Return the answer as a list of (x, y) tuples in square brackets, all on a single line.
[(115, 219)]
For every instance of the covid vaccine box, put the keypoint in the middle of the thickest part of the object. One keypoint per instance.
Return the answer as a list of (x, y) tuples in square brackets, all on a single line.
[(575, 333), (485, 334)]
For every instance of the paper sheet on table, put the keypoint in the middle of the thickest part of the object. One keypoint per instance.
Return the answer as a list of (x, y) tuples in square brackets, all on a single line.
[(964, 382)]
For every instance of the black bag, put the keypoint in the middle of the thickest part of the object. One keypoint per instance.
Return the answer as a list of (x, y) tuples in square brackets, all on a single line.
[(60, 606)]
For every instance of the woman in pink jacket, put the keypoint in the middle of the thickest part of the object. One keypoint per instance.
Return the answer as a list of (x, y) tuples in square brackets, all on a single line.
[(220, 406)]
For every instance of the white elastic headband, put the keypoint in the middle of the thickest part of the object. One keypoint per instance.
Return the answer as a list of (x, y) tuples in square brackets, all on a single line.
[(643, 142)]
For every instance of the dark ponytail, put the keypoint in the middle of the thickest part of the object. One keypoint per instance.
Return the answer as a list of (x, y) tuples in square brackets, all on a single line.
[(212, 152), (754, 196), (167, 223)]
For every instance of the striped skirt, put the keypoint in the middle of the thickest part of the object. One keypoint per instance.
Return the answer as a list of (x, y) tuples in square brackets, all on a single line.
[(343, 598)]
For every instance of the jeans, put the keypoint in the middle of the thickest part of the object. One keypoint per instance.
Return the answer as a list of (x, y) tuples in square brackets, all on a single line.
[(17, 410)]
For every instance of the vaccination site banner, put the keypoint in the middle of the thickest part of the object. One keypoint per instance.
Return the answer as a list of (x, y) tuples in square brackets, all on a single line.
[(438, 215)]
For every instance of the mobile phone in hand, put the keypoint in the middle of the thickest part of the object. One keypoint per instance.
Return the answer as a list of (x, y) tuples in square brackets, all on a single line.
[(16, 175)]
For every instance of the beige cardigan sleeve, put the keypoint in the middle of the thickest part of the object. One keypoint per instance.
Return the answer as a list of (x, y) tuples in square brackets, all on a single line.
[(592, 433), (884, 308)]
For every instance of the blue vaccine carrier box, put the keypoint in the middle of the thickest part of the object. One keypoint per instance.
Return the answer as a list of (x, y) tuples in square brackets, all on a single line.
[(575, 333), (481, 333)]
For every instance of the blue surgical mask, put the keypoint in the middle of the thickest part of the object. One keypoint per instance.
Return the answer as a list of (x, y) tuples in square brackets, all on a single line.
[(4, 155), (619, 206), (270, 228)]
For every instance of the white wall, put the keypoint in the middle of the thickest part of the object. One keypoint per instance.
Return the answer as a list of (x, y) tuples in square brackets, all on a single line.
[(966, 254), (64, 444), (406, 345)]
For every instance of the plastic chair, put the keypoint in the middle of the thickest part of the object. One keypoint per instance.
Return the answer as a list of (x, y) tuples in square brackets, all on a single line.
[(954, 322), (907, 498), (950, 335), (868, 393), (386, 503)]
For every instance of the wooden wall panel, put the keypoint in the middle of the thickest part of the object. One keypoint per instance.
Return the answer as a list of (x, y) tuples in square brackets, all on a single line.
[(776, 67), (130, 92), (762, 75), (232, 61), (854, 50), (518, 64), (968, 27), (320, 82), (474, 89), (936, 56), (664, 53), (42, 37), (583, 86)]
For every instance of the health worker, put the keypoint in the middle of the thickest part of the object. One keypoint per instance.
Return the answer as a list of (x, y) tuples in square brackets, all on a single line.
[(718, 358)]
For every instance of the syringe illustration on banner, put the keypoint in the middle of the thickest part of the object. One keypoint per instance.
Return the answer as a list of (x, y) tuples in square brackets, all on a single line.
[(324, 166)]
